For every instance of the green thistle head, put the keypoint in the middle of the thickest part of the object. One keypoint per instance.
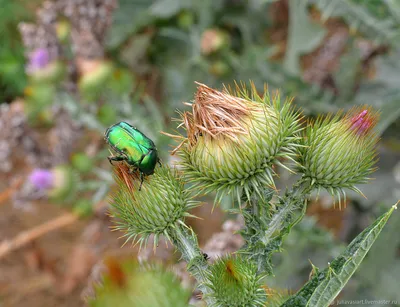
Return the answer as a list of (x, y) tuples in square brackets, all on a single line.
[(235, 282), (127, 284), (234, 138), (340, 151), (161, 203)]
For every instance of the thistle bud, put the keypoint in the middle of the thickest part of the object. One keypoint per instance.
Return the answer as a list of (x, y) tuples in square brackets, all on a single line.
[(63, 30), (233, 141), (340, 152), (82, 162), (213, 40), (64, 184), (159, 205), (126, 284), (235, 282), (94, 75)]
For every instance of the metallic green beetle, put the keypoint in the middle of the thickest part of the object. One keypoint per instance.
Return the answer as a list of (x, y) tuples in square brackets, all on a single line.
[(134, 147)]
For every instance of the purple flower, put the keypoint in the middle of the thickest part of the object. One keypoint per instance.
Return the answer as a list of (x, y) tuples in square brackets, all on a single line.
[(41, 179), (38, 59)]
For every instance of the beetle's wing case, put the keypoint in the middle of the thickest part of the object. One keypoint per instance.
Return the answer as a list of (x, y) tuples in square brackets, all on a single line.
[(139, 136), (129, 142)]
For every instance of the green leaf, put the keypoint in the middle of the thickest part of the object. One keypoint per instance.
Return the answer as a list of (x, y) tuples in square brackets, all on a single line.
[(383, 91), (379, 281), (346, 76), (130, 16), (304, 35), (362, 17), (168, 8), (324, 286)]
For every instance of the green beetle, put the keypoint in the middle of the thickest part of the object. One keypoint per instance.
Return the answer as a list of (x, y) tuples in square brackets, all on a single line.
[(134, 147)]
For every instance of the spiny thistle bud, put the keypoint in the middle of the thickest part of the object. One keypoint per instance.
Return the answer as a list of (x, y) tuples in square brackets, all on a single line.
[(234, 139), (160, 204), (340, 152), (235, 282), (127, 284)]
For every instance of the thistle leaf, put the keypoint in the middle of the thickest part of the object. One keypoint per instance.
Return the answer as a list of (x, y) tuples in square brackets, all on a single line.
[(304, 35), (381, 28), (325, 285)]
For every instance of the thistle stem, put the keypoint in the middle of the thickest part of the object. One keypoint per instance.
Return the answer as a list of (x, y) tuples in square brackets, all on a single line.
[(185, 241), (295, 199), (264, 231)]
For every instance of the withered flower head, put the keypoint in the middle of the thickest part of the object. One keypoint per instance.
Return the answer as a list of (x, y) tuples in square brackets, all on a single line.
[(234, 137)]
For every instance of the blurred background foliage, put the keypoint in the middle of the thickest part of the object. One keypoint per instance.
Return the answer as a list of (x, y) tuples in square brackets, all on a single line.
[(329, 55)]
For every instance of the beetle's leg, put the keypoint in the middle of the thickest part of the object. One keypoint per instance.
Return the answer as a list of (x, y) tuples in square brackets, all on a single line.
[(115, 158), (141, 180), (159, 161)]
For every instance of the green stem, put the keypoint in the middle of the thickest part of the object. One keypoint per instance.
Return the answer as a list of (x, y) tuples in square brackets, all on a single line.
[(185, 241), (267, 226), (295, 199)]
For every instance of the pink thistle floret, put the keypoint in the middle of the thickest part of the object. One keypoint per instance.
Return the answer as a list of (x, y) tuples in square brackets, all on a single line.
[(38, 60), (363, 121), (42, 179)]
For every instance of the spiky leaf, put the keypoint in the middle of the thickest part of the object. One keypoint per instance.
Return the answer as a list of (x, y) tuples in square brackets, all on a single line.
[(324, 286)]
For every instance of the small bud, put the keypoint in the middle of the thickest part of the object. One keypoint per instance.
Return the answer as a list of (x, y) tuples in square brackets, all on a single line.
[(160, 204), (121, 81), (185, 20), (83, 208), (107, 114), (213, 40), (64, 184), (82, 162), (235, 282), (63, 30), (219, 68), (340, 152), (233, 141), (126, 284), (94, 76)]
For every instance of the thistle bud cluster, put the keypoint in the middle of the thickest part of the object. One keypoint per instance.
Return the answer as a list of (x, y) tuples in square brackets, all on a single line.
[(232, 141)]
